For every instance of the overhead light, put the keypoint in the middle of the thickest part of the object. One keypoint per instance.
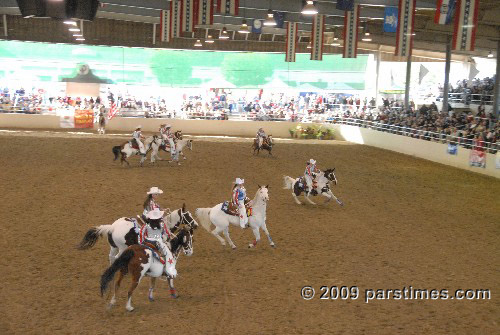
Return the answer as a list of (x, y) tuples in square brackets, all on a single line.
[(209, 39), (244, 28), (80, 39), (335, 44), (77, 35), (366, 39), (309, 8), (28, 16), (490, 55), (367, 32), (309, 45), (270, 21), (335, 38), (69, 22), (224, 35), (197, 43), (74, 29)]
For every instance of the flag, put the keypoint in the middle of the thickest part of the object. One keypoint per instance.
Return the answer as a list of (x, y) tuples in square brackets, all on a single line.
[(444, 11), (204, 12), (187, 15), (404, 34), (317, 37), (477, 158), (228, 6), (391, 19), (164, 25), (257, 26), (421, 74), (175, 18), (464, 35), (351, 27), (472, 73), (279, 17), (113, 110), (346, 5), (452, 149), (291, 41)]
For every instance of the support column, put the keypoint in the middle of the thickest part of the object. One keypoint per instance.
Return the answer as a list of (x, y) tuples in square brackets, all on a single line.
[(407, 86), (446, 86), (5, 25), (496, 103), (379, 59), (154, 33)]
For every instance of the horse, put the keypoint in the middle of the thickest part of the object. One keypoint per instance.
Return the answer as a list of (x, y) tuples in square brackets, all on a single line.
[(124, 233), (128, 149), (323, 181), (179, 146), (217, 217), (267, 144), (143, 260)]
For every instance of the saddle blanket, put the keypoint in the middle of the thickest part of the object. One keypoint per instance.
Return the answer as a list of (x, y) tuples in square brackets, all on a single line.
[(226, 208), (154, 251)]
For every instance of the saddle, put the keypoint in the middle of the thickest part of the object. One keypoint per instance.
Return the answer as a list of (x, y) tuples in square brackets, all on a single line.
[(154, 249), (230, 208), (133, 144), (302, 184)]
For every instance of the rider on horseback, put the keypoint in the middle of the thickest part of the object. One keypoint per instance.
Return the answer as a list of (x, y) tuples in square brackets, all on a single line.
[(238, 199), (151, 201), (261, 135), (168, 136), (310, 174), (137, 136), (153, 231)]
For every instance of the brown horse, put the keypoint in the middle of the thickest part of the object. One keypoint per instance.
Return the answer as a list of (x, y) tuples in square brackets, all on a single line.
[(267, 144)]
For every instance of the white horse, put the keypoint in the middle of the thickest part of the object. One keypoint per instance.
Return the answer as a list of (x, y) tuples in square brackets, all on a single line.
[(127, 149), (180, 145), (257, 220), (323, 180)]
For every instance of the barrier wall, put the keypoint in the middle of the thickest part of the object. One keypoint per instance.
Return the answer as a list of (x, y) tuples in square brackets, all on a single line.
[(432, 151), (29, 121)]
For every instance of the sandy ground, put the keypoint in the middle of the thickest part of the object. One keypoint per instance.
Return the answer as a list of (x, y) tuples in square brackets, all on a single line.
[(406, 222)]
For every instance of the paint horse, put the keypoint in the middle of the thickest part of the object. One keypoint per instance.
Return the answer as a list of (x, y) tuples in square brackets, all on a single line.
[(267, 144)]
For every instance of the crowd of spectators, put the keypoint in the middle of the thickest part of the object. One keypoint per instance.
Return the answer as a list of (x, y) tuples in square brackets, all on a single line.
[(476, 92)]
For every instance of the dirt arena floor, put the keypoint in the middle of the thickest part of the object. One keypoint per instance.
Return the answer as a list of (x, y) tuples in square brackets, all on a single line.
[(406, 222)]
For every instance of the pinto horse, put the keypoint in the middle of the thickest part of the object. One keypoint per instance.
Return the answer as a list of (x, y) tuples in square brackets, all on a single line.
[(130, 148), (143, 260), (179, 147), (267, 144)]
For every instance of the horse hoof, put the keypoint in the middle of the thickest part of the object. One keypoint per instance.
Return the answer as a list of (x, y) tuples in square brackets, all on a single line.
[(175, 296), (110, 306), (234, 248), (130, 309), (273, 245), (250, 246), (151, 299)]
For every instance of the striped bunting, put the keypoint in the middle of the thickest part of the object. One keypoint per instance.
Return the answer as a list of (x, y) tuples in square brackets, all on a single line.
[(351, 28), (404, 34), (175, 18), (464, 34), (228, 6), (291, 41), (187, 15), (317, 37), (204, 12), (164, 25)]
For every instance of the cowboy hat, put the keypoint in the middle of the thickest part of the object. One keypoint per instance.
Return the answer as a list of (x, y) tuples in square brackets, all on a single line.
[(168, 126), (239, 181), (312, 161), (138, 127), (155, 190), (155, 214)]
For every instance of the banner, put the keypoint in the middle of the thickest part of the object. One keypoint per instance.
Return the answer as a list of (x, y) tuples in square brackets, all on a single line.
[(84, 118), (473, 71), (477, 158), (422, 73), (67, 121), (346, 5), (164, 25), (391, 19), (113, 110), (464, 34), (317, 37), (291, 41), (230, 7), (187, 15), (404, 34), (444, 11), (175, 18), (257, 26), (351, 27), (204, 12), (452, 149), (279, 17)]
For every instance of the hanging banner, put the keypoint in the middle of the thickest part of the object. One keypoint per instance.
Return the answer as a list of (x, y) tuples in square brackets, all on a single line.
[(257, 26), (84, 118), (346, 5), (473, 72), (279, 17), (164, 25), (452, 149), (291, 41), (422, 73), (477, 158), (228, 7), (317, 37), (175, 18), (351, 27), (187, 15), (391, 19), (404, 34), (204, 12), (464, 34), (444, 11), (113, 110)]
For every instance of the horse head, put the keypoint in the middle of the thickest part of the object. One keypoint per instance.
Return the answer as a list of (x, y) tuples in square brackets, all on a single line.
[(330, 175), (178, 134), (263, 192), (184, 239), (270, 140), (187, 218)]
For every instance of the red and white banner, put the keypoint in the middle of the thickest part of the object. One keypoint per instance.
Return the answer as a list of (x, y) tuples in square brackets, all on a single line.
[(351, 28), (175, 18), (84, 118), (164, 26), (404, 34), (228, 6), (444, 11), (113, 110), (188, 15), (317, 36), (291, 41), (464, 34), (204, 12)]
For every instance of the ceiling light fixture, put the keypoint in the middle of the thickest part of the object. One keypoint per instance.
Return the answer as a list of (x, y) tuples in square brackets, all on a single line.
[(69, 22), (197, 43), (77, 35), (224, 35), (80, 39), (309, 8), (490, 54), (309, 45), (270, 21), (366, 39), (74, 29), (209, 39), (244, 28)]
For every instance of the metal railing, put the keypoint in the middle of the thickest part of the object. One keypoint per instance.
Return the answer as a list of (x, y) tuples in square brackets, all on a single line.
[(470, 98)]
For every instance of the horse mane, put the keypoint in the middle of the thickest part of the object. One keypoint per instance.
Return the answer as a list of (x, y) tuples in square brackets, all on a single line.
[(176, 243)]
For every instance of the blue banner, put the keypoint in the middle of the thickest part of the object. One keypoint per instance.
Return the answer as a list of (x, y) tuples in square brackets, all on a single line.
[(452, 149), (257, 26), (391, 19), (345, 5), (279, 17)]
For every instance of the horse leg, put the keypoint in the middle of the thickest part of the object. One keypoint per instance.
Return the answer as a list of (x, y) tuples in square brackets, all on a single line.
[(115, 291), (112, 254), (216, 233), (226, 235), (264, 228), (181, 153), (256, 233), (151, 289), (331, 195), (296, 198), (173, 292), (136, 277), (306, 195)]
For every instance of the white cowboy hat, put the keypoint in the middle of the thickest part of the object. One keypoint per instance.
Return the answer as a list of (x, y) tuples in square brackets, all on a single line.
[(155, 214), (312, 161), (168, 126), (239, 181), (138, 127), (155, 190)]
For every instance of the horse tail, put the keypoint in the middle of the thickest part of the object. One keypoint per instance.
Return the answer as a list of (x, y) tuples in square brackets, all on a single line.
[(116, 150), (121, 263), (92, 235), (203, 215), (289, 181)]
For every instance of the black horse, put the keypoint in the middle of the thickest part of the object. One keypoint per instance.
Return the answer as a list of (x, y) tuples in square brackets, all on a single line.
[(267, 144)]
